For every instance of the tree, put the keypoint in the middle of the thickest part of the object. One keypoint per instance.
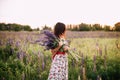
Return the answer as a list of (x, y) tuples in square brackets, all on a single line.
[(107, 28), (36, 29), (117, 26), (75, 28), (84, 27), (46, 28), (14, 27), (27, 28), (2, 26), (97, 26)]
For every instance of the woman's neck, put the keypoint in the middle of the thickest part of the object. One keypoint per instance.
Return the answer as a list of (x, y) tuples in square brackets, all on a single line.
[(62, 37)]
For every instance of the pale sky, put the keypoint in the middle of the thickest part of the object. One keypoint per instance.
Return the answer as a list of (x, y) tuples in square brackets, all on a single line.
[(37, 13)]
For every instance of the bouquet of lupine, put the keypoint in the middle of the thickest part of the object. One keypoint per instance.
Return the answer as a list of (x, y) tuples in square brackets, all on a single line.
[(50, 41)]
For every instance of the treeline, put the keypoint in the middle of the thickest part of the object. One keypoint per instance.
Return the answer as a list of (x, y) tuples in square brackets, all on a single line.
[(94, 27), (14, 27), (19, 27), (79, 27)]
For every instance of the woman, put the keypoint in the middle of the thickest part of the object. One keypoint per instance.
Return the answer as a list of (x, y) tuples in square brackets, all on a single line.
[(59, 67)]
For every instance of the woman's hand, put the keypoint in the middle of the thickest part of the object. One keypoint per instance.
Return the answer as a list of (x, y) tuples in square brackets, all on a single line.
[(60, 43), (66, 48), (56, 49)]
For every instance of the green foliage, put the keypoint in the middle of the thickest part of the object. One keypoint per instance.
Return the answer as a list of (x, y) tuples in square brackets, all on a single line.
[(107, 28), (75, 29), (93, 27), (117, 26), (97, 26), (29, 66), (84, 27), (14, 27), (88, 27)]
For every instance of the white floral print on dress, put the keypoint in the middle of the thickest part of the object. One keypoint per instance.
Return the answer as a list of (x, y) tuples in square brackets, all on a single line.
[(59, 68)]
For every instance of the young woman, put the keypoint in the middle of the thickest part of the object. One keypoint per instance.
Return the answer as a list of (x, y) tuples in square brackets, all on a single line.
[(59, 66)]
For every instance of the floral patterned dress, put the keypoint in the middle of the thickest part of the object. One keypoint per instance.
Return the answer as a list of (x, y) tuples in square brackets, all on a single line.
[(59, 67)]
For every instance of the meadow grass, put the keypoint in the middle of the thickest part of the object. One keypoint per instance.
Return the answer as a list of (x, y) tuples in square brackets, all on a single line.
[(22, 59), (90, 46)]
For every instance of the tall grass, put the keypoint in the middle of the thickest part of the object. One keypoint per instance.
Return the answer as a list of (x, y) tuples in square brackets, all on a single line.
[(21, 59)]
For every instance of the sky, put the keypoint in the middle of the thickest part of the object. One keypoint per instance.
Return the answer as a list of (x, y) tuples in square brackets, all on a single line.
[(37, 13)]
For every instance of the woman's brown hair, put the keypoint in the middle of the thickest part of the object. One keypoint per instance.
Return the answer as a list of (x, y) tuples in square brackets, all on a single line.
[(59, 29)]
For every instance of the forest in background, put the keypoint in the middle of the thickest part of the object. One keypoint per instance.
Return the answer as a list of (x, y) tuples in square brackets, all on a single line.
[(78, 27)]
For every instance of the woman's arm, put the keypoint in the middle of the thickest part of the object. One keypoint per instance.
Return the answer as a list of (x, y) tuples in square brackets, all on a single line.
[(56, 49)]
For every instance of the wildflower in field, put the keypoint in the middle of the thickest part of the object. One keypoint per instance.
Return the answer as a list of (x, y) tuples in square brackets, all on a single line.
[(99, 78), (21, 55), (81, 69), (94, 60), (105, 49), (105, 58), (100, 52), (11, 51), (82, 61), (73, 63), (39, 54), (0, 42), (23, 76), (17, 44), (97, 46), (43, 65), (9, 42), (79, 77)]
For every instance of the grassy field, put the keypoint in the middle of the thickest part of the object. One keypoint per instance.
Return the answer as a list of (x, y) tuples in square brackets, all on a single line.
[(22, 59)]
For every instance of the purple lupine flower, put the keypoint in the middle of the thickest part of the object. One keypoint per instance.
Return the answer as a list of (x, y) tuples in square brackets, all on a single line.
[(28, 58), (83, 61), (3, 78), (97, 48), (81, 69), (38, 69), (11, 50), (97, 44), (0, 42), (94, 67), (18, 55), (100, 52), (17, 44), (105, 49), (49, 34), (99, 78), (43, 65), (68, 42), (39, 54), (73, 63), (74, 49), (23, 76), (49, 40), (94, 60), (9, 42), (105, 65), (21, 55)]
